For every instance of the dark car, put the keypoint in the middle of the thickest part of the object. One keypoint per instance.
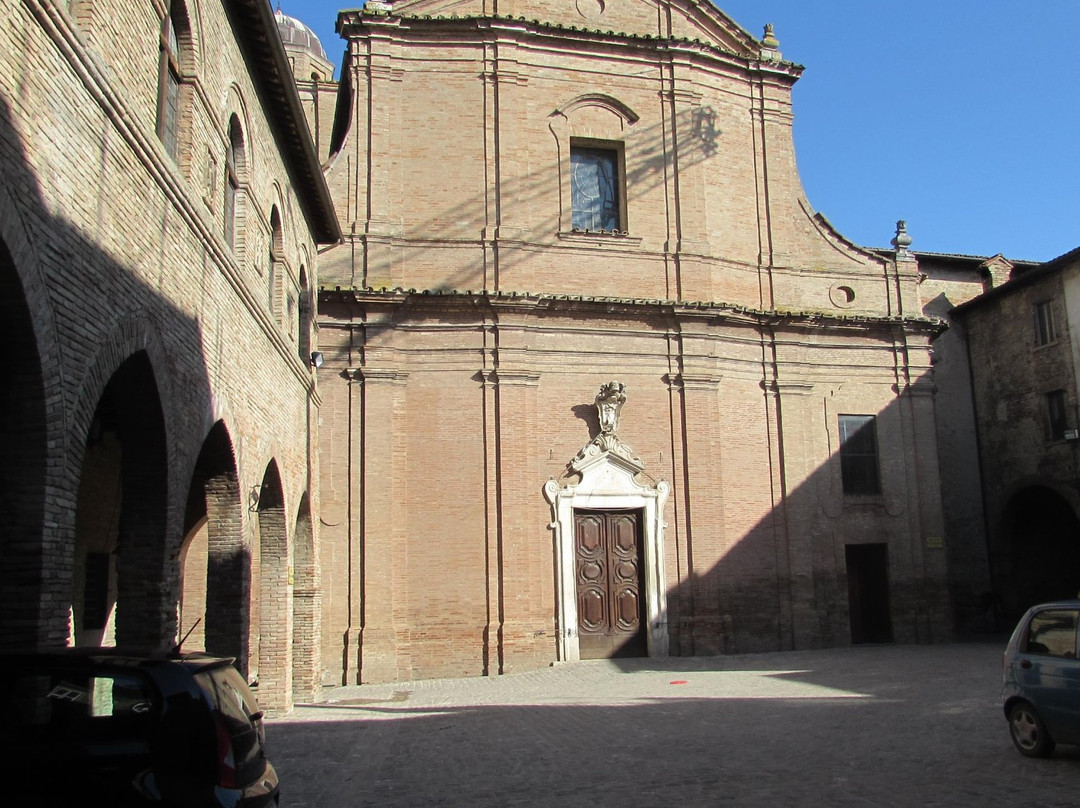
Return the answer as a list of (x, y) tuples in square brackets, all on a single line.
[(102, 726), (1041, 679)]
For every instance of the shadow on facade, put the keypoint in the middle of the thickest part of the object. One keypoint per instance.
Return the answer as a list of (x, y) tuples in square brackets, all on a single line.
[(108, 461), (1035, 551), (698, 140), (821, 568)]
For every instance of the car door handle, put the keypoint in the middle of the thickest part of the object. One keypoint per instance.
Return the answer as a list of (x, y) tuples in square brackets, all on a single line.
[(1025, 663)]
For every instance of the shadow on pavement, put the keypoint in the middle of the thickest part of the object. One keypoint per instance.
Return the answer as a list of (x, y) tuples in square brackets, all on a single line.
[(859, 727)]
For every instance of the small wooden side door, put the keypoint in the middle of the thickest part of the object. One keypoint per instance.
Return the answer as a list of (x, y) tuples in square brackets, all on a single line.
[(609, 561)]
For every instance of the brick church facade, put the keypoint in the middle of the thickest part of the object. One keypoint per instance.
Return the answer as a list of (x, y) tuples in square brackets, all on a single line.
[(601, 381)]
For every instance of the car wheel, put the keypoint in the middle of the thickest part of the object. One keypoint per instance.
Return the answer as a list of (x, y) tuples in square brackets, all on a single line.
[(1028, 731)]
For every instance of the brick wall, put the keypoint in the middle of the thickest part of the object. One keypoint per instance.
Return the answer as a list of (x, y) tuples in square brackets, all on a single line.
[(118, 251)]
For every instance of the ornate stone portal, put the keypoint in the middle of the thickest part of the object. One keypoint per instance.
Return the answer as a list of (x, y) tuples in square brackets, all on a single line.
[(608, 470)]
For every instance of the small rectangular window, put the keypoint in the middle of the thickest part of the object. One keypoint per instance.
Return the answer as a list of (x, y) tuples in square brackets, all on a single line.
[(596, 189), (859, 455), (1045, 332), (1055, 415)]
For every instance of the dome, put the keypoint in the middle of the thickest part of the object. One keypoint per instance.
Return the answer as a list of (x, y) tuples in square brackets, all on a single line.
[(295, 33)]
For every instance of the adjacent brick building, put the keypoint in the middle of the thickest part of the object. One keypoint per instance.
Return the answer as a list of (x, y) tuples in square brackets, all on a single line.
[(1024, 344), (161, 208), (601, 379)]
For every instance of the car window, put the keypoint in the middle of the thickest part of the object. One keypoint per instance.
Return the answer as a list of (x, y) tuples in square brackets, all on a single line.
[(84, 702), (235, 707), (1053, 632)]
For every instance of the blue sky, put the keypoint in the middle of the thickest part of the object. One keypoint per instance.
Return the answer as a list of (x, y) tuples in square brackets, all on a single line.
[(960, 116)]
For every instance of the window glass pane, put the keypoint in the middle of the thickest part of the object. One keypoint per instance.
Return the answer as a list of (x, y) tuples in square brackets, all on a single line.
[(171, 41), (594, 189), (170, 111), (858, 455), (235, 708), (1044, 324), (1053, 632), (76, 701), (1055, 415)]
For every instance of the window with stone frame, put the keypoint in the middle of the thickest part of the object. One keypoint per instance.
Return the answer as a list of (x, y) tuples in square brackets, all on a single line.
[(859, 455), (1045, 330), (597, 190), (168, 112), (1054, 415)]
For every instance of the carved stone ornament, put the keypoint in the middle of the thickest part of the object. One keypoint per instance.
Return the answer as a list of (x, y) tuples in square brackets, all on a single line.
[(609, 404)]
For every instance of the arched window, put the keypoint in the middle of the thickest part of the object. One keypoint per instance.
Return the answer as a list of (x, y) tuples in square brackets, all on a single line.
[(304, 308), (234, 157), (168, 114), (277, 261)]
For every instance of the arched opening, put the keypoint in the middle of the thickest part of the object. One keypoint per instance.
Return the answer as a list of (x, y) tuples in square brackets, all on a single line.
[(191, 613), (22, 474), (217, 562), (120, 515), (1042, 541), (306, 606), (274, 595)]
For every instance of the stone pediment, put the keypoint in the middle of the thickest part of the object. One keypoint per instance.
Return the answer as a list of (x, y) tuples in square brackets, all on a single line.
[(662, 19), (607, 469)]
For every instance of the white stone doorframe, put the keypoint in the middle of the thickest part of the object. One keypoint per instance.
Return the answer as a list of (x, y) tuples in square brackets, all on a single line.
[(608, 484)]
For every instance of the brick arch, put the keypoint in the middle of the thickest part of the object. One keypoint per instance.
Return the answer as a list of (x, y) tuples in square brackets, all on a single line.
[(274, 596), (121, 516), (601, 101), (214, 495), (39, 426), (1035, 547), (235, 105), (306, 607), (23, 475), (193, 37), (129, 336)]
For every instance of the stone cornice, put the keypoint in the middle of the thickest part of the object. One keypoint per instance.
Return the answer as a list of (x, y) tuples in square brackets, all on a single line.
[(637, 306), (365, 375), (353, 23)]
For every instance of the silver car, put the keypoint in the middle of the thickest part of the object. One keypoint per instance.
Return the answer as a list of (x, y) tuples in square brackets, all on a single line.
[(1041, 679)]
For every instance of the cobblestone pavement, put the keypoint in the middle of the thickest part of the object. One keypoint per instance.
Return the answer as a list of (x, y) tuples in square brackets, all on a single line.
[(867, 726)]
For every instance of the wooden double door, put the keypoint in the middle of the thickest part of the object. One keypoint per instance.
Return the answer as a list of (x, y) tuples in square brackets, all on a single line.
[(609, 563)]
